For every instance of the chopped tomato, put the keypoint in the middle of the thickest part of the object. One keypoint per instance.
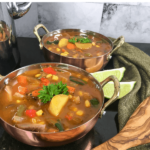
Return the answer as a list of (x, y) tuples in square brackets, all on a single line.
[(49, 70), (36, 92), (71, 90), (31, 113), (22, 79), (68, 117), (22, 90)]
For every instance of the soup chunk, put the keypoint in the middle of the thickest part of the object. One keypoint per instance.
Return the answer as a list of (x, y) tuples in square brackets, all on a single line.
[(49, 100)]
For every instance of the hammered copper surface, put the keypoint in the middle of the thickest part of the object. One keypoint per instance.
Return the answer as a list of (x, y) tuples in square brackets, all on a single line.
[(44, 139)]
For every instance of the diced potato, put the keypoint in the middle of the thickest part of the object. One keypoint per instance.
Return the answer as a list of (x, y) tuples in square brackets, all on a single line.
[(49, 48), (37, 75), (80, 93), (49, 75), (58, 49), (33, 120), (97, 46), (63, 42), (87, 103), (79, 113), (64, 54), (39, 112), (76, 99), (83, 45), (57, 103), (93, 43), (85, 79), (55, 78)]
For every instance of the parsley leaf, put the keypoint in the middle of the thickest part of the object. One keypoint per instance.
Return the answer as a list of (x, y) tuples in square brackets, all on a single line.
[(81, 40), (47, 93)]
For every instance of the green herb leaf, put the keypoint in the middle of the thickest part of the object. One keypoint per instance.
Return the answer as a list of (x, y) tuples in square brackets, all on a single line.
[(47, 93), (73, 40), (59, 126), (77, 80), (81, 40), (94, 102), (55, 42)]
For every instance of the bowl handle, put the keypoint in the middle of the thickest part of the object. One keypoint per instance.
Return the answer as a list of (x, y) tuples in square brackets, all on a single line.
[(121, 42), (116, 92), (1, 77), (35, 31)]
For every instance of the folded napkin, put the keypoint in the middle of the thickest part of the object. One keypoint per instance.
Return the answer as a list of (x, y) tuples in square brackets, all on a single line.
[(137, 64)]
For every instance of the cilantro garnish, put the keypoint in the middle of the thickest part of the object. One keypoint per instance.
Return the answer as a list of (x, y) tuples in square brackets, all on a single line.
[(81, 40), (47, 93)]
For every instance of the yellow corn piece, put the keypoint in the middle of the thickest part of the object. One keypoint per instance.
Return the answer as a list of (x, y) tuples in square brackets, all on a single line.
[(33, 120), (87, 103), (79, 113), (70, 96), (42, 122), (97, 46), (18, 101), (85, 79), (37, 75), (80, 93), (39, 112), (55, 78), (49, 75), (64, 54), (58, 49), (93, 43)]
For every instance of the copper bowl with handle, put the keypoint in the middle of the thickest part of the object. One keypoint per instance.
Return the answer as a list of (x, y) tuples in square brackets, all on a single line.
[(45, 139), (91, 64)]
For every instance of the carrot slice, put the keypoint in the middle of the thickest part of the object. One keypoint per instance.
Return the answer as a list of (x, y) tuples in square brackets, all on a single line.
[(71, 90), (63, 50), (36, 92), (22, 90), (22, 79), (71, 46)]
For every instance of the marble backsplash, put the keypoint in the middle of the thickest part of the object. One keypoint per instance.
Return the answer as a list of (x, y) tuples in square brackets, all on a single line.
[(132, 20)]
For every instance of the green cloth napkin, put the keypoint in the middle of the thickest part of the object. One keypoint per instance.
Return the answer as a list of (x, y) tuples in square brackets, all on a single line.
[(137, 64)]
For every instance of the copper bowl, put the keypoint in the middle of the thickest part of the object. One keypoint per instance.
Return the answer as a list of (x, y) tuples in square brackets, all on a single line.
[(45, 139), (92, 64)]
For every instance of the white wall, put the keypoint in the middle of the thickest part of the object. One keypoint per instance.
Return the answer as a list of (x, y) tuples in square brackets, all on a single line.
[(132, 20)]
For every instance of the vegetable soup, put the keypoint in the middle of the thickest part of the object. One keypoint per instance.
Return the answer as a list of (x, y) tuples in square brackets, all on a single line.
[(51, 99), (72, 44)]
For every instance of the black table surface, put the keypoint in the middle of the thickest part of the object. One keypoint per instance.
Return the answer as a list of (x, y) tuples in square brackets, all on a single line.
[(105, 128)]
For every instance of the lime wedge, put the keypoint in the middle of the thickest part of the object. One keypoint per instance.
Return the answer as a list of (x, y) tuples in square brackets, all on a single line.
[(125, 88), (101, 75)]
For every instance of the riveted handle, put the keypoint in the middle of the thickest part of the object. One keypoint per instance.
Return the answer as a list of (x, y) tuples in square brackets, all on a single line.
[(121, 42), (35, 31), (116, 92)]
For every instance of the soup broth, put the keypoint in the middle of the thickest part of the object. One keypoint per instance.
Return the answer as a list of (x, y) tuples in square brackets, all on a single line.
[(70, 99)]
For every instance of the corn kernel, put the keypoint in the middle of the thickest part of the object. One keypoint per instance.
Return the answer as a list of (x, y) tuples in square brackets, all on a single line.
[(49, 75), (58, 49), (64, 54), (70, 96), (93, 43), (74, 109), (85, 79), (80, 93), (39, 112), (55, 78), (18, 101), (79, 113), (42, 122), (87, 103), (97, 46), (37, 75), (49, 48), (33, 120)]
